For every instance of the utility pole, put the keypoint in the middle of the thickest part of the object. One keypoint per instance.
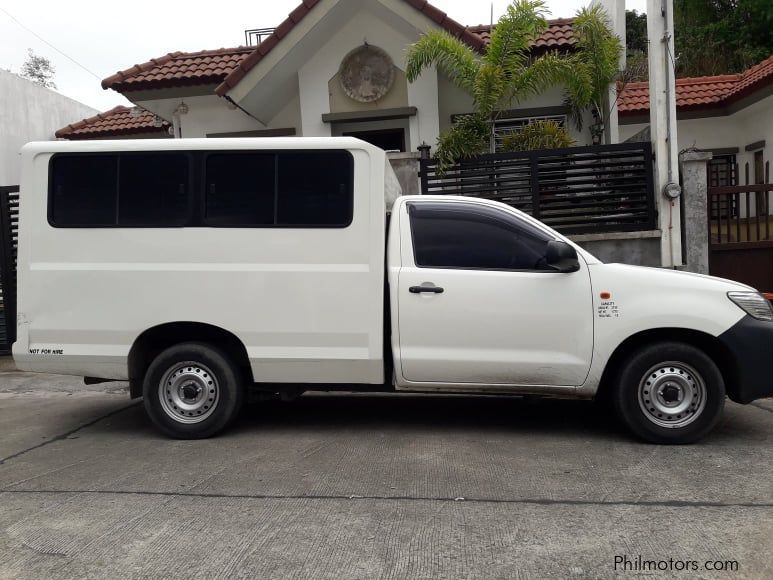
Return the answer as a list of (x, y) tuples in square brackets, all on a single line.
[(662, 62)]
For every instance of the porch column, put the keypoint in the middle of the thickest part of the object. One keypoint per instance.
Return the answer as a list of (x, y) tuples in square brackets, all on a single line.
[(696, 222)]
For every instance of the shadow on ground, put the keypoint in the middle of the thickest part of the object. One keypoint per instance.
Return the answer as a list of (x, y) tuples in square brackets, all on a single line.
[(475, 415)]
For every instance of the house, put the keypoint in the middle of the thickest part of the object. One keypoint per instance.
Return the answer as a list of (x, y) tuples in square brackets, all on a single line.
[(30, 112), (333, 67), (730, 116)]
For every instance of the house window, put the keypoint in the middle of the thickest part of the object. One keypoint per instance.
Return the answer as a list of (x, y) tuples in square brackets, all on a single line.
[(510, 125), (112, 190), (722, 172)]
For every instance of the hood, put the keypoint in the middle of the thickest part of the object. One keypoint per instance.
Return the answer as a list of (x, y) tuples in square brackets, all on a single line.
[(672, 278)]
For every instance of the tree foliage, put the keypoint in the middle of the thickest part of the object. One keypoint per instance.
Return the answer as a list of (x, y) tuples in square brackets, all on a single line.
[(39, 70), (501, 77), (711, 37), (714, 37), (594, 65), (636, 45), (508, 73)]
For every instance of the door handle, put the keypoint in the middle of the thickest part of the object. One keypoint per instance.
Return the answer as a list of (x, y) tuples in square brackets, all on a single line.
[(430, 289)]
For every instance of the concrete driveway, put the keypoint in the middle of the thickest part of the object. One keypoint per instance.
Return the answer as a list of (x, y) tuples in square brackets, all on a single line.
[(373, 487)]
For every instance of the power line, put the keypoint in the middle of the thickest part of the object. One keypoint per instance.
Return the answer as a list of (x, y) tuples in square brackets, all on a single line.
[(43, 40)]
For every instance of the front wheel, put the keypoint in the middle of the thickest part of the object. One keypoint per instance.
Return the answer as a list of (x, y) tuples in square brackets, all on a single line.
[(669, 392), (192, 391)]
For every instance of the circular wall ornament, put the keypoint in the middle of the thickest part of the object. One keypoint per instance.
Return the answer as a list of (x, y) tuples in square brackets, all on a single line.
[(367, 73)]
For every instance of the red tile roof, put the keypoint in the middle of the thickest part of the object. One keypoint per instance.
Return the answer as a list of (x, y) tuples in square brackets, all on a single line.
[(178, 69), (697, 93), (115, 122), (438, 16), (559, 34)]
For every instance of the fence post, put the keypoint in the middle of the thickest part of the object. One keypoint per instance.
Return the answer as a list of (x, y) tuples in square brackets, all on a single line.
[(696, 214), (535, 200), (7, 269)]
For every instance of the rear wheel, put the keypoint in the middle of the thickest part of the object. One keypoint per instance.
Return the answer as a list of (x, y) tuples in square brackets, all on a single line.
[(669, 392), (192, 391)]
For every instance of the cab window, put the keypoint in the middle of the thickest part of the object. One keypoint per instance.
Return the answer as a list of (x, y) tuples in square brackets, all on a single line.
[(474, 236)]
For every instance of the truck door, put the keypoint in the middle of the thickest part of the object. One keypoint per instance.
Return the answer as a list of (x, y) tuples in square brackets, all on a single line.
[(476, 304)]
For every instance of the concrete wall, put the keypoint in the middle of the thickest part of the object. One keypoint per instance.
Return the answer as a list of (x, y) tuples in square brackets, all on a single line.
[(636, 248), (29, 112), (406, 167)]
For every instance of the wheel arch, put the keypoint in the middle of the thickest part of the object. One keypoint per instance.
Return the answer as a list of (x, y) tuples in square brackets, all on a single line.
[(154, 340), (709, 344)]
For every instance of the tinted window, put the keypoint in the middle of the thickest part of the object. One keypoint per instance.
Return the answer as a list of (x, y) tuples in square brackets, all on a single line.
[(240, 189), (315, 188), (83, 190), (119, 190), (236, 189), (458, 235), (153, 189)]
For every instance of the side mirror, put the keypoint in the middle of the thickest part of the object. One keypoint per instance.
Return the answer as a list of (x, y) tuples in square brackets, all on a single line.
[(562, 257)]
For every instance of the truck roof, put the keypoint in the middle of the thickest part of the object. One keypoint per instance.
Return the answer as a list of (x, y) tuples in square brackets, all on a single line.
[(228, 143)]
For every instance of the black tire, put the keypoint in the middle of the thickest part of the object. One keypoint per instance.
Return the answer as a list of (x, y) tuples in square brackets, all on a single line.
[(649, 386), (203, 381)]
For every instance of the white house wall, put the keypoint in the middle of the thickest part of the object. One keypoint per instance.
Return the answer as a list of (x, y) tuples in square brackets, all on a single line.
[(30, 112), (212, 114), (747, 126), (364, 25)]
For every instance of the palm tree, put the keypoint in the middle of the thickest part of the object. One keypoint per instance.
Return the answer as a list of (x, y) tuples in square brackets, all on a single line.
[(501, 77), (507, 73), (594, 67)]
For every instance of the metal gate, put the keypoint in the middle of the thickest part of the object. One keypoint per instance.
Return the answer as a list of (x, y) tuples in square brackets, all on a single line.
[(741, 233), (9, 227), (602, 188)]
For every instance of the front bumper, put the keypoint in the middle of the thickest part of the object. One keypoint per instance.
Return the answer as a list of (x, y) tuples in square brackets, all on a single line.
[(750, 345)]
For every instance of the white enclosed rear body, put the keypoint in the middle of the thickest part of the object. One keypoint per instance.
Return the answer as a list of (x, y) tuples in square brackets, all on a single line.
[(307, 303)]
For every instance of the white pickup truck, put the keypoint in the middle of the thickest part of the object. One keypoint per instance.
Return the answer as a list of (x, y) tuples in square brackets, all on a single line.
[(203, 270)]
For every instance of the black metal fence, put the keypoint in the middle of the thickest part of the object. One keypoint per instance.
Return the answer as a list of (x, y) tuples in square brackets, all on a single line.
[(9, 227), (604, 188)]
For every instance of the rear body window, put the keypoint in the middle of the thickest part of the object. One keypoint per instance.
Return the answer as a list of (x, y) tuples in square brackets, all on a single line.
[(282, 189), (83, 190), (239, 189), (153, 190), (136, 190), (315, 189), (303, 189), (474, 236)]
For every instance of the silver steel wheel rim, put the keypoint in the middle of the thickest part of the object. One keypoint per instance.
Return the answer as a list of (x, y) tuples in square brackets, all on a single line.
[(672, 394), (189, 392)]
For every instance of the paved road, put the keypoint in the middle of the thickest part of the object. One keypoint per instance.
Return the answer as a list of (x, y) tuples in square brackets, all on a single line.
[(371, 487)]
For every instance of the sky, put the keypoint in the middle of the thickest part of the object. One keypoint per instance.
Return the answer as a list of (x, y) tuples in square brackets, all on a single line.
[(104, 37)]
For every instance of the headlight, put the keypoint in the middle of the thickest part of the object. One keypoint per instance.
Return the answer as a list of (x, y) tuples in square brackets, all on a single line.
[(754, 304)]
